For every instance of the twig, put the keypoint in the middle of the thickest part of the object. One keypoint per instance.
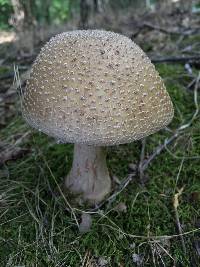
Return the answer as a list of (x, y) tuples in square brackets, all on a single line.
[(160, 29), (158, 150), (182, 59), (178, 131), (154, 238), (158, 244), (191, 83), (185, 32), (189, 48)]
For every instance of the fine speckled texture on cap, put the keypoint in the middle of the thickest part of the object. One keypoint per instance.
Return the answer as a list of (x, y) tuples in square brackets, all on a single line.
[(95, 87)]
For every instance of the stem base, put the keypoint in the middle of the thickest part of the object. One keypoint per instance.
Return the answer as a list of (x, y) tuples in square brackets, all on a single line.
[(89, 174)]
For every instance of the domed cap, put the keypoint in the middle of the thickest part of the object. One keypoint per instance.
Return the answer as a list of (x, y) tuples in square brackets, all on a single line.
[(95, 87)]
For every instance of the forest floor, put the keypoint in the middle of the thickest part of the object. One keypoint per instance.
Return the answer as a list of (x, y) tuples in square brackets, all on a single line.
[(153, 216)]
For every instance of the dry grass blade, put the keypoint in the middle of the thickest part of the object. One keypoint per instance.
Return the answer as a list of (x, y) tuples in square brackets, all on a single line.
[(142, 156), (176, 204), (61, 192), (17, 217), (151, 237)]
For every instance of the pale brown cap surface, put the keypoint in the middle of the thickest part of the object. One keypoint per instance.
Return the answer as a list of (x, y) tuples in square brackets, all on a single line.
[(95, 87)]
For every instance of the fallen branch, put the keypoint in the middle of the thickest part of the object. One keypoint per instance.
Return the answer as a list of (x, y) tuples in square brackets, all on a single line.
[(160, 29), (181, 59), (185, 32), (140, 27)]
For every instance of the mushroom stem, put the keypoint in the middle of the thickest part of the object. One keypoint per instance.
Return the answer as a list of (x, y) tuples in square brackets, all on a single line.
[(89, 174)]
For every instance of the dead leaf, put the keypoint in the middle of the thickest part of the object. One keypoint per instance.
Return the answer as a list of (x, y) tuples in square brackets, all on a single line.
[(176, 198)]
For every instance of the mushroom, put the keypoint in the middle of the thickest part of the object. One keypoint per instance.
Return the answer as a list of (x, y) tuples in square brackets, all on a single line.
[(94, 88)]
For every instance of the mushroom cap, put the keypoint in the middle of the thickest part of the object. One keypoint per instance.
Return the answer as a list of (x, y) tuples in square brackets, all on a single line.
[(95, 87)]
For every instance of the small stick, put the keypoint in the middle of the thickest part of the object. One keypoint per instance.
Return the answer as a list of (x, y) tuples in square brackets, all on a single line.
[(182, 59), (185, 32), (158, 150)]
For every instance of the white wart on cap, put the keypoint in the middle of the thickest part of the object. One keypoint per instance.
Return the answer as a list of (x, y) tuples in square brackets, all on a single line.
[(96, 88)]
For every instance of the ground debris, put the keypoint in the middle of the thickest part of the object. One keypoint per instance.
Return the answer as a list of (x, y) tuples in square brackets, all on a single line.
[(165, 37), (176, 205), (14, 151), (194, 197), (93, 261), (137, 259), (102, 262), (3, 201), (12, 154), (8, 97), (116, 179), (132, 167), (121, 207), (197, 246), (86, 223)]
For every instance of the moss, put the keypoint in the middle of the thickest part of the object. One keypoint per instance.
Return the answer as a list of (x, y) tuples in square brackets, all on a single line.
[(36, 227)]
